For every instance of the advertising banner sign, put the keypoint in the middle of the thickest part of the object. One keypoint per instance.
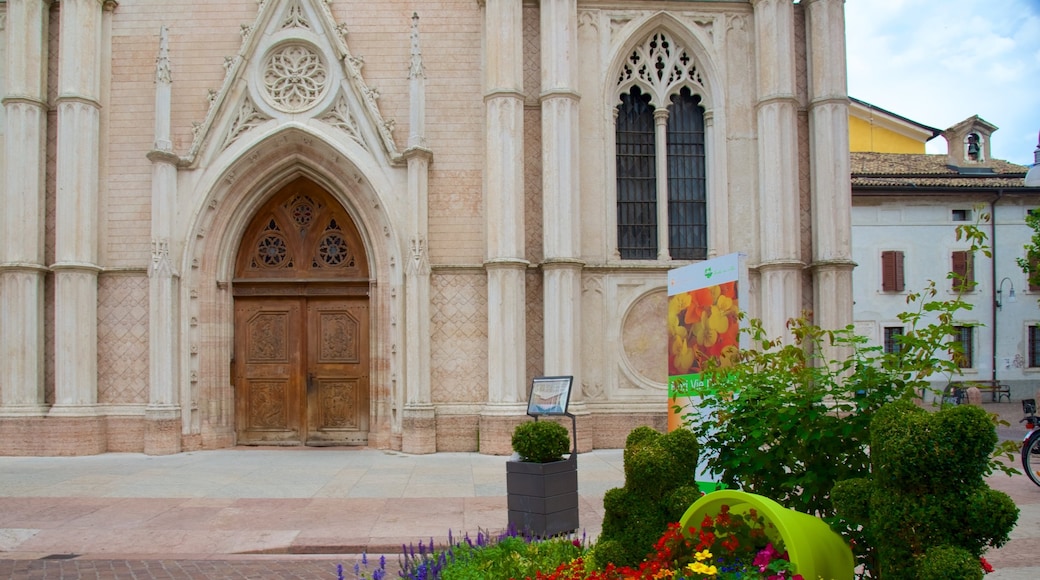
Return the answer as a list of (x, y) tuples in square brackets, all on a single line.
[(703, 304)]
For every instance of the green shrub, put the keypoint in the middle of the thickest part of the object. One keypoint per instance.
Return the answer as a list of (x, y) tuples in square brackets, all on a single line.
[(928, 491), (945, 562), (511, 557), (660, 484), (541, 441)]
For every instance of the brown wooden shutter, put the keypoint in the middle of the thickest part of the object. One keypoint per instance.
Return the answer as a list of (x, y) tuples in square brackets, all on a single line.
[(964, 270), (1035, 276), (892, 271)]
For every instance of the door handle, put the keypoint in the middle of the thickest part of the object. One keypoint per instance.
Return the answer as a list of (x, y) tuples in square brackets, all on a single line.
[(310, 382)]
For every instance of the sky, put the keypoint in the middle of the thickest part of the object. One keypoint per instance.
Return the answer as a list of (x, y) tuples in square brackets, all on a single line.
[(938, 62)]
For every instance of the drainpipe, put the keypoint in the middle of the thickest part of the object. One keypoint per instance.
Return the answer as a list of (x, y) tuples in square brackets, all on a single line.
[(993, 280)]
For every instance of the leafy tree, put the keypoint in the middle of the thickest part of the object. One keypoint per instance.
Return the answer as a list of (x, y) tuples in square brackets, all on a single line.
[(1030, 264), (787, 421)]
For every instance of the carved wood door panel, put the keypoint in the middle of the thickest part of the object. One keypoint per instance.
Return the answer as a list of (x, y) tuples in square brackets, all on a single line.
[(302, 371), (337, 371), (301, 323), (268, 370)]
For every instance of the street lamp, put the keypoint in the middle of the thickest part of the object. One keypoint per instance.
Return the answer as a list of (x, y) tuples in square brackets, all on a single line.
[(1000, 293)]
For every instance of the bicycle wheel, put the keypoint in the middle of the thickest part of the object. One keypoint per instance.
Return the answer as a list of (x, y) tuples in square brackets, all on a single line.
[(1031, 457)]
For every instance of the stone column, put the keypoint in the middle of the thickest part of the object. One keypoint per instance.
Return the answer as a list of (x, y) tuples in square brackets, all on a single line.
[(661, 144), (777, 119), (418, 420), (22, 211), (163, 414), (504, 211), (561, 200), (76, 229), (831, 179)]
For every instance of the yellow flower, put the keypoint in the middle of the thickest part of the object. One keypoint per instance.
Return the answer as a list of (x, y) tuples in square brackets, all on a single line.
[(702, 556), (701, 568)]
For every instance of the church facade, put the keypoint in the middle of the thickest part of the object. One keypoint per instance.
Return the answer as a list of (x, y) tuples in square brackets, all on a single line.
[(333, 222)]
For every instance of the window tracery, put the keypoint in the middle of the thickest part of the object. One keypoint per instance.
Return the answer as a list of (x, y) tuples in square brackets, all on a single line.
[(295, 78)]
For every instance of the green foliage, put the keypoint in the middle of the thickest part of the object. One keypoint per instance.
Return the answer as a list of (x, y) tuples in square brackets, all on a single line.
[(947, 562), (927, 489), (541, 441), (786, 423), (1030, 264), (789, 418), (660, 485), (511, 557)]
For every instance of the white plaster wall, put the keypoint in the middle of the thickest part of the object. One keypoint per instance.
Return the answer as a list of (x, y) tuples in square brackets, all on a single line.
[(924, 231)]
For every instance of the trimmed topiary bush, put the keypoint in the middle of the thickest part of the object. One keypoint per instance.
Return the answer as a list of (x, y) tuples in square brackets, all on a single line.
[(947, 562), (660, 485), (541, 441), (926, 505)]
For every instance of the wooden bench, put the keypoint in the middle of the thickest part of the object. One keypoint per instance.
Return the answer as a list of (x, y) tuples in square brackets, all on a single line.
[(996, 389)]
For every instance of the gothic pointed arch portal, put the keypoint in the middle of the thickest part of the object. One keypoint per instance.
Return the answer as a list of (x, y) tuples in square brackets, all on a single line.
[(301, 290)]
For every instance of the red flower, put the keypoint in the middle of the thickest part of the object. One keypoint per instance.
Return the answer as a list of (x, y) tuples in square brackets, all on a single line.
[(986, 567)]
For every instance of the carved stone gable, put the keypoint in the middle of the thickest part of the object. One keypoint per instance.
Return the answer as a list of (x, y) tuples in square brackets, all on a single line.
[(294, 65)]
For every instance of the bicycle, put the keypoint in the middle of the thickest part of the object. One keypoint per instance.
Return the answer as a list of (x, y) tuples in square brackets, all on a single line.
[(1031, 442)]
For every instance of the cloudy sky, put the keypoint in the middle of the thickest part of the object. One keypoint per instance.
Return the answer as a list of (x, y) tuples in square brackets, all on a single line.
[(938, 62)]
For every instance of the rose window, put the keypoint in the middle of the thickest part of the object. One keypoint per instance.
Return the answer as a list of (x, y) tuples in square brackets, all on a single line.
[(333, 250), (271, 251), (302, 214), (295, 78)]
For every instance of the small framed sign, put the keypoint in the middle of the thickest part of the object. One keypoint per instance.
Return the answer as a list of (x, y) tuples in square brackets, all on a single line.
[(549, 395)]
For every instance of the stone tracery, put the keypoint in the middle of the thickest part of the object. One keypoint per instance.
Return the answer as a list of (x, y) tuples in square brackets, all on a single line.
[(295, 78)]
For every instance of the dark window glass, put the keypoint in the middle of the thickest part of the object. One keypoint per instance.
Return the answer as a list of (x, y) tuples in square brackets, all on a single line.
[(965, 336), (1034, 346), (892, 334), (687, 187), (636, 178), (961, 215)]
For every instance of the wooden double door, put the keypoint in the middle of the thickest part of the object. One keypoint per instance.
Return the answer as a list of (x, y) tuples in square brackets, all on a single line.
[(302, 370), (301, 362)]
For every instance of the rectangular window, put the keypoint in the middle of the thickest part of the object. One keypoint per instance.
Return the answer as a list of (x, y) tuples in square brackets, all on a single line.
[(1034, 346), (965, 337), (961, 215), (892, 271), (892, 334), (636, 179), (963, 268)]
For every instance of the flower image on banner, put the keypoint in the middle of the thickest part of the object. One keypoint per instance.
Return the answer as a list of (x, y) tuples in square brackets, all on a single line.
[(703, 325)]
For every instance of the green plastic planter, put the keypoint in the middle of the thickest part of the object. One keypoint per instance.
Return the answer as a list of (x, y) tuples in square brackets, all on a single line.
[(815, 549)]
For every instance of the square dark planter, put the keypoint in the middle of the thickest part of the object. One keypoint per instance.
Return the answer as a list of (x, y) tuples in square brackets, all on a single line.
[(543, 497)]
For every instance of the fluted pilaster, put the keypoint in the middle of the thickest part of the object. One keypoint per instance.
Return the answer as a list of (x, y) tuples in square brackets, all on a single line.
[(561, 191), (777, 124), (831, 179), (22, 209), (76, 211), (504, 201)]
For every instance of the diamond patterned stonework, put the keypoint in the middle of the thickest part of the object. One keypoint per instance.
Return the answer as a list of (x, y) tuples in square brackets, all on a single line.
[(123, 339)]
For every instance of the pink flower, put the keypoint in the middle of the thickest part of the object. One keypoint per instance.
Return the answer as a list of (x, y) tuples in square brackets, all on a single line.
[(764, 557)]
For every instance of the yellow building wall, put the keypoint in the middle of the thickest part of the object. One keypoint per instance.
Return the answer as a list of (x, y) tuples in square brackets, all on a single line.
[(866, 136)]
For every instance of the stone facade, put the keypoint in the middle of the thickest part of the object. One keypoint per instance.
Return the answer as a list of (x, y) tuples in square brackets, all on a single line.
[(472, 144)]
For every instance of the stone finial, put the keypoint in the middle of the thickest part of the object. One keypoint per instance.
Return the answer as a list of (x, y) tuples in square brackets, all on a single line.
[(162, 62)]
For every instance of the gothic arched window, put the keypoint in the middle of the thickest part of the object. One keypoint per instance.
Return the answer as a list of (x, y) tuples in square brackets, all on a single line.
[(660, 214)]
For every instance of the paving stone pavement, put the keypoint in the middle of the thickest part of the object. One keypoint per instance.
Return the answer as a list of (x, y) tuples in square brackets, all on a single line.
[(300, 512)]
